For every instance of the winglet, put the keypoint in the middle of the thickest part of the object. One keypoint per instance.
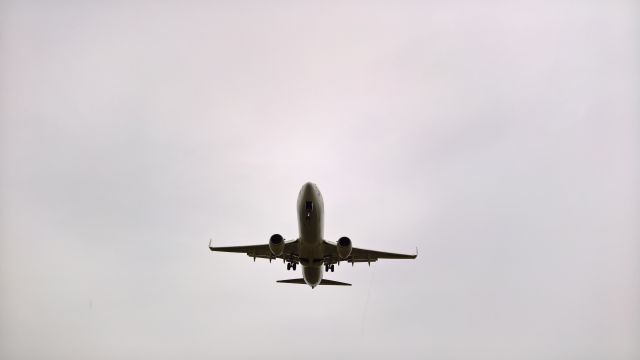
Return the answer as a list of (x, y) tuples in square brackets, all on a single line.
[(210, 243), (416, 251)]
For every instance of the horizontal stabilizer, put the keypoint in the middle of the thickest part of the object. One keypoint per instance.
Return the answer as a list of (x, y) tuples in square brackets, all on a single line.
[(323, 282), (292, 281), (332, 282)]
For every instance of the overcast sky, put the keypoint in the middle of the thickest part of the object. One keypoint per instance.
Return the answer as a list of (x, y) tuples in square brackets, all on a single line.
[(500, 137)]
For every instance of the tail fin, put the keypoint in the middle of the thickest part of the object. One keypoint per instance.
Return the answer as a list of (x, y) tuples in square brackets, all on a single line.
[(322, 282)]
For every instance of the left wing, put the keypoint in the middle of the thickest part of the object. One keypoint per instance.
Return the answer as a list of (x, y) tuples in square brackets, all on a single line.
[(360, 255), (262, 251)]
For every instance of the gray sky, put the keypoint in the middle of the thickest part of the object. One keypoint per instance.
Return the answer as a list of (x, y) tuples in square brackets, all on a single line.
[(501, 138)]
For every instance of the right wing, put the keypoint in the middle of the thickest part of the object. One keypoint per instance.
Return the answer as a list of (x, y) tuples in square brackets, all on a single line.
[(262, 251), (364, 254), (361, 255)]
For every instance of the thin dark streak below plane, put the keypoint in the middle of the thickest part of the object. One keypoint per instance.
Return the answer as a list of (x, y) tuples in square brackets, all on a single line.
[(310, 249)]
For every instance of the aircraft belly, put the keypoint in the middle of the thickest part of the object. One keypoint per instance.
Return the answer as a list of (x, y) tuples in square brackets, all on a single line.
[(311, 251), (311, 229)]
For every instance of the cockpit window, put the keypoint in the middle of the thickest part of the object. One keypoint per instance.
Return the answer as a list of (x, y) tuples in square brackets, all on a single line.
[(309, 206)]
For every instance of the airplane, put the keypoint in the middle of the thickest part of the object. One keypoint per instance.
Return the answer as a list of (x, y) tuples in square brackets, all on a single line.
[(311, 250)]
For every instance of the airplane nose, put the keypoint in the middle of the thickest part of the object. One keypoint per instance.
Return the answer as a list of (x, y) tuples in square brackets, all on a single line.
[(307, 188)]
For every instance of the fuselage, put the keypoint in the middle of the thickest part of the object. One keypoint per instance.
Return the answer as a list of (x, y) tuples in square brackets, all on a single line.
[(311, 233)]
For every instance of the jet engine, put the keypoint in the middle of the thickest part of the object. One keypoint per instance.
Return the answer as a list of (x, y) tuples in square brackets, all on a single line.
[(344, 247), (276, 244)]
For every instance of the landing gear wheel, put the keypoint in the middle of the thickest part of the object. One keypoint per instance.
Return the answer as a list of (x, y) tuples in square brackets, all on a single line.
[(294, 266), (288, 266), (333, 268)]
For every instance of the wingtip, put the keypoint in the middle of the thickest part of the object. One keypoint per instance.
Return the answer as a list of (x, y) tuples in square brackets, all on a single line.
[(210, 247), (416, 251)]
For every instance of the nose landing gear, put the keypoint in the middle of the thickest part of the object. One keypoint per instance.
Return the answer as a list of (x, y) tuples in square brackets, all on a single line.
[(309, 208)]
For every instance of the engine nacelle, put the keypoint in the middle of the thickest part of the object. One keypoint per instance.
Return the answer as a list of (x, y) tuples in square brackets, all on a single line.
[(344, 247), (276, 244)]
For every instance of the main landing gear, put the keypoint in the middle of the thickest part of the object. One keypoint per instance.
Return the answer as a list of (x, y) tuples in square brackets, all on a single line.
[(291, 266), (328, 268)]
